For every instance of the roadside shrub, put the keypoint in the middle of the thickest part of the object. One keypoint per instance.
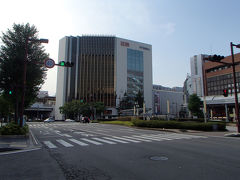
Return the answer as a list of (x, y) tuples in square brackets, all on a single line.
[(94, 121), (14, 129), (125, 123), (102, 119), (159, 118), (190, 119), (210, 126), (124, 118)]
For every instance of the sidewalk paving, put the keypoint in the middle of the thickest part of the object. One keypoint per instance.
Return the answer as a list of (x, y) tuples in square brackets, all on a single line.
[(16, 142)]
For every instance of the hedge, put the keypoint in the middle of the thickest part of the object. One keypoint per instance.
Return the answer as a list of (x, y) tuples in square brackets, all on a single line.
[(14, 129), (209, 126)]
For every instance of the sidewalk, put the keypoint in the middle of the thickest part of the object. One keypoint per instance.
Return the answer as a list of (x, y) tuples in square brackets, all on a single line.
[(230, 129), (16, 142)]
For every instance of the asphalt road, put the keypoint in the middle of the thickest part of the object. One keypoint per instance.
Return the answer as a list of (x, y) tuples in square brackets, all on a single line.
[(98, 151)]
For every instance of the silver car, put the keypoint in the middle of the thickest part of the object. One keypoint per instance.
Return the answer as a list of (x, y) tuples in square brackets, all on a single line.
[(48, 120)]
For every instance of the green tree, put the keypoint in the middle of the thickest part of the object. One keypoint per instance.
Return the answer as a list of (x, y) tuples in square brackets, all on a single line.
[(194, 105), (68, 110), (18, 42), (76, 108), (139, 98), (126, 102), (99, 106), (5, 107)]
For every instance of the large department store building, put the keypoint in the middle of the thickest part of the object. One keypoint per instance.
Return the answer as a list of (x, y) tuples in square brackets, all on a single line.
[(105, 68)]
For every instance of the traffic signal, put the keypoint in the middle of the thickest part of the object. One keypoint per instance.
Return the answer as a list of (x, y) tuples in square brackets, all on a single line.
[(10, 92), (66, 64), (215, 58), (62, 63), (225, 93)]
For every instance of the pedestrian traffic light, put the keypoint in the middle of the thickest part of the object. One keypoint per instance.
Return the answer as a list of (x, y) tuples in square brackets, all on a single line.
[(215, 58), (225, 93), (66, 64), (10, 92)]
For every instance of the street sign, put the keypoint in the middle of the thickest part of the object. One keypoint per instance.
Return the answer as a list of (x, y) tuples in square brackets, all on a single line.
[(49, 63)]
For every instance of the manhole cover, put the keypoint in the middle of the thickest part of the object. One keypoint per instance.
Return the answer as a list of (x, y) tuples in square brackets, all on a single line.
[(158, 158)]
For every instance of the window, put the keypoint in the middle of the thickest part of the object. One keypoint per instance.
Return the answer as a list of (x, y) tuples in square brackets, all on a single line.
[(134, 72), (195, 65)]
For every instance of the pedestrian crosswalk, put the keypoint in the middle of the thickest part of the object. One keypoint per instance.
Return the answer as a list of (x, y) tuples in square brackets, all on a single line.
[(112, 140)]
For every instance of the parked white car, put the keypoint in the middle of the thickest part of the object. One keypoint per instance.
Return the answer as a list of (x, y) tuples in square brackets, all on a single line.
[(69, 120), (48, 120)]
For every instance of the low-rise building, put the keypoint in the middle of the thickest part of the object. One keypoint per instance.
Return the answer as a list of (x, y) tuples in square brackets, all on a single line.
[(43, 108), (167, 101)]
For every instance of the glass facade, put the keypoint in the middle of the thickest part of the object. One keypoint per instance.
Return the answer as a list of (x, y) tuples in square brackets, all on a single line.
[(95, 70), (134, 72)]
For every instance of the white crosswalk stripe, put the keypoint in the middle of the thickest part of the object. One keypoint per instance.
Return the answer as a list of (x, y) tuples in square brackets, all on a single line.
[(171, 136), (126, 139), (67, 135), (147, 137), (116, 140), (144, 140), (160, 137), (105, 141), (91, 141), (49, 144), (64, 143), (78, 142)]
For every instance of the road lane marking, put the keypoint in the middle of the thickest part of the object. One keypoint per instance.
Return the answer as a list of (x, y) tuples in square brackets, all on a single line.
[(175, 136), (34, 138), (147, 137), (49, 144), (116, 140), (105, 141), (126, 139), (91, 141), (166, 137), (67, 135), (58, 133), (78, 132), (78, 142), (64, 143), (140, 139)]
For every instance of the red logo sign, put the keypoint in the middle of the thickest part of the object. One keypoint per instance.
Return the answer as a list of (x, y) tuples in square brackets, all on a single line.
[(124, 44)]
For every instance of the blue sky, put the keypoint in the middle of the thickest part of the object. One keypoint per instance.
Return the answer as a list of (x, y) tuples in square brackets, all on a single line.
[(176, 29)]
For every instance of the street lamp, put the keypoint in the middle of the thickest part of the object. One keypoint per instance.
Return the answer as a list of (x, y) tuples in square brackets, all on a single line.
[(25, 72), (235, 87)]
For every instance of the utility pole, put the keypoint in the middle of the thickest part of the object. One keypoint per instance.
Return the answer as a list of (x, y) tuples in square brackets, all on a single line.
[(235, 87), (25, 73)]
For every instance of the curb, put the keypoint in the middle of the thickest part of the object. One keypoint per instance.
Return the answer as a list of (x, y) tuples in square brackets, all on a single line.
[(28, 143), (232, 135)]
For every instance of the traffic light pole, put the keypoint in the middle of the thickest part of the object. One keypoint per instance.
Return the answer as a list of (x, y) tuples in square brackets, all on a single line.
[(25, 75), (235, 89), (24, 82)]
